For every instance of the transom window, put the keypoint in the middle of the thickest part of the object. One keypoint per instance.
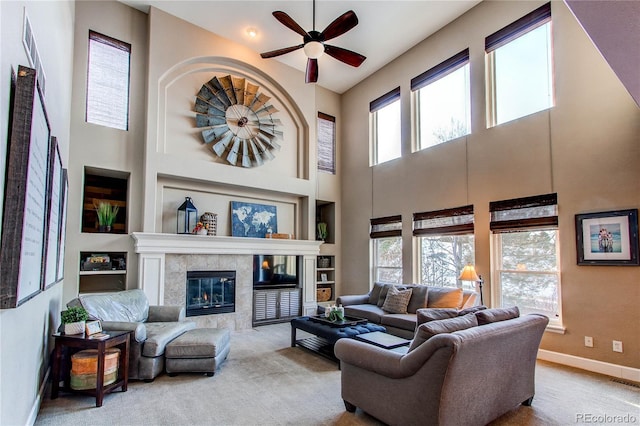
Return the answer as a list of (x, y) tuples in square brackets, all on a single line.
[(385, 125), (445, 245), (526, 255), (519, 65), (442, 101), (386, 249), (108, 81)]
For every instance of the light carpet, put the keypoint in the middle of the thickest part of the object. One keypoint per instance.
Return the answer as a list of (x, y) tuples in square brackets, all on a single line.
[(266, 382)]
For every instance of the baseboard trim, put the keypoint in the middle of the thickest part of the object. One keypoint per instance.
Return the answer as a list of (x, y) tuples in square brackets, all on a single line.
[(614, 370), (33, 414)]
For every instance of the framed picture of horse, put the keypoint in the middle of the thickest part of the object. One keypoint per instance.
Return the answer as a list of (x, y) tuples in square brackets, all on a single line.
[(608, 238)]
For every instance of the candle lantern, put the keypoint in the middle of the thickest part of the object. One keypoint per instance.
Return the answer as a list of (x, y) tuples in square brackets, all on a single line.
[(187, 216)]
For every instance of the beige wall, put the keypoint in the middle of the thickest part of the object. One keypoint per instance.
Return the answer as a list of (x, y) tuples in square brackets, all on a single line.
[(593, 126), (24, 331)]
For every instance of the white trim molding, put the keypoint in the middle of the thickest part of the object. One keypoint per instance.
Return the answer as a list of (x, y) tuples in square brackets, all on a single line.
[(614, 370)]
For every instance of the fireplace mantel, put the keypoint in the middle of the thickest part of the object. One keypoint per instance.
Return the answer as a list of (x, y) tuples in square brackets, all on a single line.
[(203, 244), (152, 249)]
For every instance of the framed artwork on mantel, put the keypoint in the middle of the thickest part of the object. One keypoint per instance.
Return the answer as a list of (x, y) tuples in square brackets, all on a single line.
[(607, 238), (24, 220)]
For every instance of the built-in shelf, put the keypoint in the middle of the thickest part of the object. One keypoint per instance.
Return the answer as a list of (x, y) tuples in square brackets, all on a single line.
[(104, 186), (326, 213), (102, 276), (325, 278), (103, 272)]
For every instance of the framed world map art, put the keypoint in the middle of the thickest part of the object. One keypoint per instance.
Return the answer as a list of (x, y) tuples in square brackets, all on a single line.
[(253, 220)]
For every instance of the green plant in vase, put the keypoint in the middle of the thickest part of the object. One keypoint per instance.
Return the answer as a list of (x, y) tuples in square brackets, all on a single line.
[(74, 319), (322, 231), (106, 215)]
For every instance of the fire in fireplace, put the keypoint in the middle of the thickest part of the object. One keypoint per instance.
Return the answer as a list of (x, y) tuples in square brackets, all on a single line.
[(210, 292)]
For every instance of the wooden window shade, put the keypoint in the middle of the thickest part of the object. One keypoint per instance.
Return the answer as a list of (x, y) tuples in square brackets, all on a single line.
[(440, 70), (532, 20), (454, 221), (384, 100), (527, 212), (384, 227)]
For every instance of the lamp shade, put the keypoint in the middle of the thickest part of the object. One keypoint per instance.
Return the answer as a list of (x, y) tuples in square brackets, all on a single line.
[(469, 274), (313, 49), (187, 217)]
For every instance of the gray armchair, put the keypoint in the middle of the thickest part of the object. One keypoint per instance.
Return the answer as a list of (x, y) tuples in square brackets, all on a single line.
[(467, 377), (153, 326)]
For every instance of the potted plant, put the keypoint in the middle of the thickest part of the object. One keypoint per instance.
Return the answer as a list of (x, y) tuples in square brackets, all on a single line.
[(74, 319), (106, 215), (322, 231)]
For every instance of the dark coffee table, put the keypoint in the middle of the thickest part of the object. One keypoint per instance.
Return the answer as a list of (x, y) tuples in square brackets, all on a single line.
[(326, 333)]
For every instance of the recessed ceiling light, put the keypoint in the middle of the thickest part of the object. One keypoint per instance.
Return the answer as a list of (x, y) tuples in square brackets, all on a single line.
[(252, 32)]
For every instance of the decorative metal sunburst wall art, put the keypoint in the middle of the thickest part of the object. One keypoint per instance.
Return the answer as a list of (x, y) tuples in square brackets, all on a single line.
[(238, 122)]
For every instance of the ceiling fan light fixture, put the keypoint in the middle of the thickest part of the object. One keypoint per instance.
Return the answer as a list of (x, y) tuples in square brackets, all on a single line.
[(313, 49)]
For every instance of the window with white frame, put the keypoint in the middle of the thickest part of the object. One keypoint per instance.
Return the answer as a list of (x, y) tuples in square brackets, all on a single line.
[(525, 252), (385, 125), (108, 81), (445, 245), (442, 101), (386, 247), (520, 68), (326, 143)]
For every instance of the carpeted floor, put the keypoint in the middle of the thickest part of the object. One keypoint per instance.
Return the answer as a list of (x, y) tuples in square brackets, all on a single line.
[(266, 382)]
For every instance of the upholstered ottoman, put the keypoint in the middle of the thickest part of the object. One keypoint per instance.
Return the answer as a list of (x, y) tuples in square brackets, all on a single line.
[(197, 351)]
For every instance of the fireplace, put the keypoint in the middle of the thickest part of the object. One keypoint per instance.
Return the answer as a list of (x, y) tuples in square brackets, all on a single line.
[(210, 292)]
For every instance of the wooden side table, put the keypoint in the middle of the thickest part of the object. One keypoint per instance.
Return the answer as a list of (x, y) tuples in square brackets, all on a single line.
[(78, 342)]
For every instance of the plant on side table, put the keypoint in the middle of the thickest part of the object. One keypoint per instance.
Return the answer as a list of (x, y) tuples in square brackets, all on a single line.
[(106, 215), (74, 320)]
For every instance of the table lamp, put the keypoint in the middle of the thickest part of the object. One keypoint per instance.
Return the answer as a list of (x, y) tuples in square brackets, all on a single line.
[(469, 274)]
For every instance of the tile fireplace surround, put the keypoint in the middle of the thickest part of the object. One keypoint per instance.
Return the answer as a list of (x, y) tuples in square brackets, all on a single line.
[(164, 259)]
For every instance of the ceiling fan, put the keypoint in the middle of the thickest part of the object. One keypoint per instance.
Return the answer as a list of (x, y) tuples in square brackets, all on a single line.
[(314, 42)]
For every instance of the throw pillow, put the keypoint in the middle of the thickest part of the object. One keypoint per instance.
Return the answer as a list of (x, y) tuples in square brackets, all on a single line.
[(444, 297), (383, 294), (374, 294), (430, 329), (487, 316), (418, 298), (434, 314), (472, 309), (396, 301)]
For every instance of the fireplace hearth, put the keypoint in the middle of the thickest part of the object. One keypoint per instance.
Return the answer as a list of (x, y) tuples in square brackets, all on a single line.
[(210, 292)]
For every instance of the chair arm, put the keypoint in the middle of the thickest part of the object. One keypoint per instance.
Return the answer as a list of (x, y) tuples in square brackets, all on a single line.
[(140, 331), (389, 363), (166, 313), (358, 299)]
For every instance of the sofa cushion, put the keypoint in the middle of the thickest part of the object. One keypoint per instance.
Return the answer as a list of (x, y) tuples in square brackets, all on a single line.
[(383, 294), (402, 321), (161, 333), (444, 297), (432, 328), (371, 312), (374, 294), (397, 300), (418, 299), (487, 316), (471, 309), (124, 306), (434, 314)]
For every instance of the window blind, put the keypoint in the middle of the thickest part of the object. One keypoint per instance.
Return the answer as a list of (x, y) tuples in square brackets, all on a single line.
[(527, 212), (389, 226), (454, 221), (385, 100), (532, 20), (450, 65), (326, 143)]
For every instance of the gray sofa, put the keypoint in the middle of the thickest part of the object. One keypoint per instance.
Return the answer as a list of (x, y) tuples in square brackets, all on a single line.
[(466, 377), (370, 305), (153, 326)]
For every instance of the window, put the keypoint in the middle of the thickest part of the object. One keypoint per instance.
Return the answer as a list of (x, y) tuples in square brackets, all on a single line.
[(108, 82), (519, 62), (385, 120), (386, 236), (443, 102), (326, 143), (445, 246), (526, 259)]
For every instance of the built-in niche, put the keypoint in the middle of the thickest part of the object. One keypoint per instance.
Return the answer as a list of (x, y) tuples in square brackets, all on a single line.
[(326, 213), (107, 186)]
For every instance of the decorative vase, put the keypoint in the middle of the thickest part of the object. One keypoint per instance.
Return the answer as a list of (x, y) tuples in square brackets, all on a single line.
[(211, 221), (104, 228), (74, 327), (202, 231)]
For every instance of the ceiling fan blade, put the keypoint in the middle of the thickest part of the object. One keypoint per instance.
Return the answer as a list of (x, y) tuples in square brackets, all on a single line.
[(288, 22), (340, 25), (312, 71), (279, 52), (347, 56)]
